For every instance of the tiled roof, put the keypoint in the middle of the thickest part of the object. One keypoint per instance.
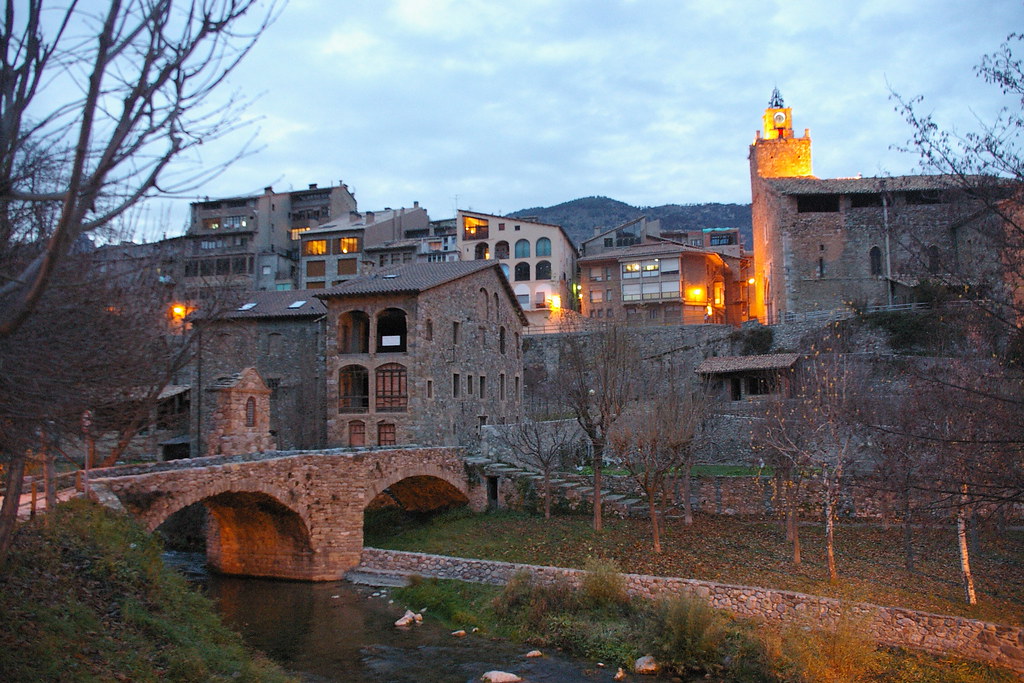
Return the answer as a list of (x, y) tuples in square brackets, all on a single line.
[(860, 185), (769, 361), (410, 277), (394, 244), (663, 247), (276, 305), (413, 278)]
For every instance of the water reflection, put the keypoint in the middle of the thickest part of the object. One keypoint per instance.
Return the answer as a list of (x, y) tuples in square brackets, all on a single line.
[(337, 632)]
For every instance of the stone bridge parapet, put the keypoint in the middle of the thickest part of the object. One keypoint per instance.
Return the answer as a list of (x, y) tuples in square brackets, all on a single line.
[(295, 515)]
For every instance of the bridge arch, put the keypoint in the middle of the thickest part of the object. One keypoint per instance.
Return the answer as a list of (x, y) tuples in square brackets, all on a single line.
[(420, 488)]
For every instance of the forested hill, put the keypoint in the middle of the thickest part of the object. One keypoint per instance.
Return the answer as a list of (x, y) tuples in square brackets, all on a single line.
[(579, 217)]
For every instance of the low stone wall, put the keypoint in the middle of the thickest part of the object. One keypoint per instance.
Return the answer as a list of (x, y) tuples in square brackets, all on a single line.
[(1001, 645)]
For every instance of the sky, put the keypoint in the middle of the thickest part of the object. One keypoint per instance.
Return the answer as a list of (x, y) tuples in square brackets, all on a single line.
[(500, 106)]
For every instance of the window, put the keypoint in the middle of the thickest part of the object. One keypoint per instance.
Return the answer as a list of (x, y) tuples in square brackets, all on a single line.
[(456, 332), (817, 203), (670, 265), (933, 259), (501, 386), (391, 331), (428, 331), (386, 434), (544, 270), (314, 248), (596, 296), (501, 250), (234, 222), (456, 385), (353, 389), (719, 293), (297, 232), (474, 228), (392, 388), (861, 201), (609, 241), (347, 245), (356, 433), (821, 267), (316, 268), (211, 223), (523, 249), (595, 274), (250, 412), (522, 271), (483, 386), (430, 388), (501, 340), (630, 270), (875, 256), (482, 252), (347, 266), (631, 292), (354, 332), (469, 385), (722, 240), (501, 226), (651, 268), (543, 247), (922, 197)]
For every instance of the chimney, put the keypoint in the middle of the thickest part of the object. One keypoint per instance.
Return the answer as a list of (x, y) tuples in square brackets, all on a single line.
[(354, 216), (369, 217), (415, 205), (312, 186), (268, 189)]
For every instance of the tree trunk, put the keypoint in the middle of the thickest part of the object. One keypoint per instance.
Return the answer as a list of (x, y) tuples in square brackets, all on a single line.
[(908, 533), (794, 531), (50, 479), (652, 505), (833, 575), (547, 494), (12, 498), (687, 506), (965, 557), (597, 462)]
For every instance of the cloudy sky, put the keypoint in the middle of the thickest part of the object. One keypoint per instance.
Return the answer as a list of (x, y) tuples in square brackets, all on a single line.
[(499, 106)]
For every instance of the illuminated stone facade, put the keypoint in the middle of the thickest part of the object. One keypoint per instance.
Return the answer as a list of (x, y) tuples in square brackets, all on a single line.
[(823, 245)]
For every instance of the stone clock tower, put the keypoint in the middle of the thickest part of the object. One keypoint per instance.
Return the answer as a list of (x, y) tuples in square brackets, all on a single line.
[(775, 153)]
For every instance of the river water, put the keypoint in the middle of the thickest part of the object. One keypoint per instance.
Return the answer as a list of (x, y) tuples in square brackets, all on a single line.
[(343, 633)]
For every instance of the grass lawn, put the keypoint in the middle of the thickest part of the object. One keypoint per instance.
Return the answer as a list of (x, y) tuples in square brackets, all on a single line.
[(736, 551)]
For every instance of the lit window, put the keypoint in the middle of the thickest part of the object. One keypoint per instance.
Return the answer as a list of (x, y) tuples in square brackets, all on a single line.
[(630, 270), (314, 248), (651, 268), (474, 228), (234, 222), (348, 245), (211, 223), (295, 232)]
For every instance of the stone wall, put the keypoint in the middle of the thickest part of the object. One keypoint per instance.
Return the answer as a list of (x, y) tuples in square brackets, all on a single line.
[(998, 644)]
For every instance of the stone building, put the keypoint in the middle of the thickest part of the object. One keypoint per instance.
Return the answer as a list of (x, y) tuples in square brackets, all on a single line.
[(281, 336), (252, 242), (538, 259), (826, 244), (660, 281), (240, 420), (423, 353)]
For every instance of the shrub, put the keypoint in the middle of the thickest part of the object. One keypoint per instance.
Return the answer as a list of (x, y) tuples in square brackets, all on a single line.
[(687, 633), (527, 604), (604, 587), (841, 654)]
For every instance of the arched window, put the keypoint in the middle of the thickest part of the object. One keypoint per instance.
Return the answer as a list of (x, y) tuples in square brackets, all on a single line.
[(543, 270), (356, 433), (482, 252), (391, 331), (353, 389), (354, 332), (933, 259), (501, 250), (484, 309), (392, 390), (523, 249), (501, 339), (522, 271), (495, 306), (543, 247), (876, 261), (250, 412)]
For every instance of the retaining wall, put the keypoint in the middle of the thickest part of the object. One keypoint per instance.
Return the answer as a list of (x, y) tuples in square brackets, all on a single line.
[(998, 644)]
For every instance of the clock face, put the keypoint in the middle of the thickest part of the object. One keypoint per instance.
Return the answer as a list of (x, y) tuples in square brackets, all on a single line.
[(779, 118)]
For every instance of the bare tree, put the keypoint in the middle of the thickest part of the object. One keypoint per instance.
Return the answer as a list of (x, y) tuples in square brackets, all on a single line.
[(541, 445), (653, 438), (599, 372), (818, 430), (128, 89)]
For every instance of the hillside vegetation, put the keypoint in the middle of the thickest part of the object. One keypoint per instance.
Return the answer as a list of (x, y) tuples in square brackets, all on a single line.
[(85, 596), (581, 216)]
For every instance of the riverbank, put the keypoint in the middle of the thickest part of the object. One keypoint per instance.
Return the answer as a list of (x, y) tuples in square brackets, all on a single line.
[(739, 552), (84, 595)]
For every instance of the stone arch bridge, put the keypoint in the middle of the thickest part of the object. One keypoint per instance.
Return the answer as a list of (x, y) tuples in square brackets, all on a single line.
[(294, 515)]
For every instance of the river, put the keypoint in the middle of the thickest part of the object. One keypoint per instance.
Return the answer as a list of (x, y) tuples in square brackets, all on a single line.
[(343, 633)]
